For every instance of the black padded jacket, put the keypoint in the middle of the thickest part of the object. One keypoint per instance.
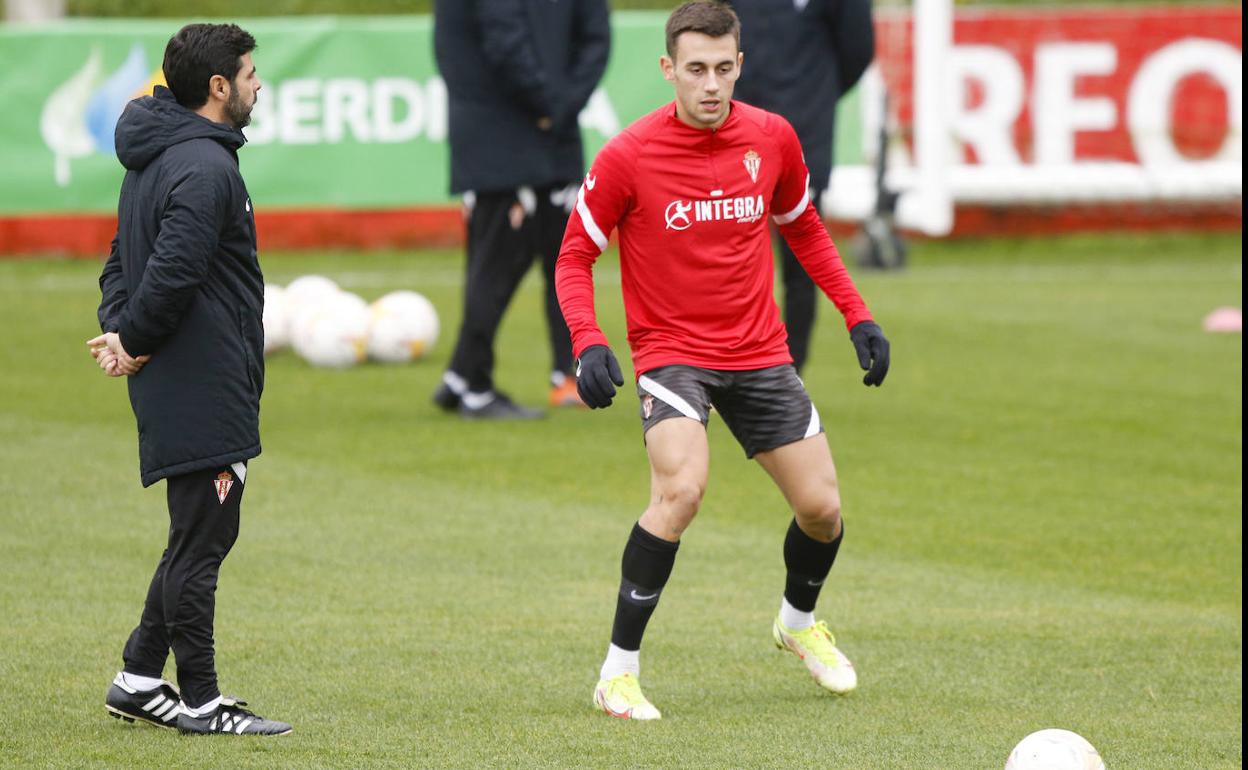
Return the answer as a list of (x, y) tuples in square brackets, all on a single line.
[(183, 284)]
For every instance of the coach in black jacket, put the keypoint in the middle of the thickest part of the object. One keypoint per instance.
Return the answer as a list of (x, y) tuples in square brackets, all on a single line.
[(518, 73), (800, 57), (181, 315), (183, 283)]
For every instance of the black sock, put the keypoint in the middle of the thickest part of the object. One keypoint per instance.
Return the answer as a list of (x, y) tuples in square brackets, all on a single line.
[(808, 562), (644, 571)]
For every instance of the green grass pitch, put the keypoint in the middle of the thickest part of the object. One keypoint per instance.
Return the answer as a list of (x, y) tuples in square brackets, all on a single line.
[(1043, 509)]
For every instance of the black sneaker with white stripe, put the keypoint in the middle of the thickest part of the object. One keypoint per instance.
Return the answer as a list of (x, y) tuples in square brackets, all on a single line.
[(231, 719), (495, 405), (159, 707)]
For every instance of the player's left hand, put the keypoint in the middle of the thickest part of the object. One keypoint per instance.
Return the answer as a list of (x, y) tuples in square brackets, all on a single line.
[(872, 348)]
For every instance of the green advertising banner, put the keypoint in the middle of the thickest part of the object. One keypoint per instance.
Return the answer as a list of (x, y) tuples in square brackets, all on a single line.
[(352, 114)]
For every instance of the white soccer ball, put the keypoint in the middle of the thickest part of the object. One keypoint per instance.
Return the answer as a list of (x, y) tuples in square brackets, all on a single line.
[(308, 290), (276, 318), (303, 313), (1054, 749), (333, 332), (404, 327)]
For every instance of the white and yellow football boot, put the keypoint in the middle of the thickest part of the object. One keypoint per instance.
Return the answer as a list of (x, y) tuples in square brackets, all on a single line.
[(816, 646), (620, 696)]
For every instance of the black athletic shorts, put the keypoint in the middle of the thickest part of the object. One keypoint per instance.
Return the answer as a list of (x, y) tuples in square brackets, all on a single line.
[(764, 408)]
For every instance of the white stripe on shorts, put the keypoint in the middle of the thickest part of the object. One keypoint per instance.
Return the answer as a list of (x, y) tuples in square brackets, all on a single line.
[(240, 470), (815, 425), (668, 397)]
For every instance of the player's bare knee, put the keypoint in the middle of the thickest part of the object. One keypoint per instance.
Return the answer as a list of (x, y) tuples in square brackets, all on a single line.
[(682, 497), (821, 516), (671, 514)]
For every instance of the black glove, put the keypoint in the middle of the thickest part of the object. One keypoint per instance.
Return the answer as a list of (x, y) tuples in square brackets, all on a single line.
[(872, 347), (596, 369)]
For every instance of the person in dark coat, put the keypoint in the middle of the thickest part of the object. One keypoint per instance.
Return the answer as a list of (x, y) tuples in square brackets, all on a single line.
[(518, 73), (801, 56), (182, 300)]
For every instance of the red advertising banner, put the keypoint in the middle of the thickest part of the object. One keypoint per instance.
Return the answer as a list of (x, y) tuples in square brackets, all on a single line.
[(1151, 86)]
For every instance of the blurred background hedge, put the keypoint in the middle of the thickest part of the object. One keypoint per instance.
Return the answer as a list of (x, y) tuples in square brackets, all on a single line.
[(245, 8)]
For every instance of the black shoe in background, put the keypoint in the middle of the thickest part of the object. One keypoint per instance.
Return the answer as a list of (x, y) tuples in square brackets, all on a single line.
[(446, 398), (499, 407)]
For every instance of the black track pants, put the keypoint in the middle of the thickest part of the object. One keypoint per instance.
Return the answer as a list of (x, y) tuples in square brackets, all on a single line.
[(501, 248), (181, 600)]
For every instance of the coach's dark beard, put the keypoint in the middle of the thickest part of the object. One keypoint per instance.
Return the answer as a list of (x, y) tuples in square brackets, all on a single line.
[(238, 113)]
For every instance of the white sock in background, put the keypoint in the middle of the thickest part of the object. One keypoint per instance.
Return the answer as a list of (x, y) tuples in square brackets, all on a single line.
[(477, 400), (457, 384), (793, 618), (620, 662)]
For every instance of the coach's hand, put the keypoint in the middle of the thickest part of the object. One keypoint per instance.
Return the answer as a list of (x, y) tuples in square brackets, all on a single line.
[(872, 347), (108, 352), (596, 369)]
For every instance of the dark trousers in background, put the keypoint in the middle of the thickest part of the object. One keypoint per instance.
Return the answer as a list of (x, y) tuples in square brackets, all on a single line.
[(503, 240), (181, 599), (801, 297)]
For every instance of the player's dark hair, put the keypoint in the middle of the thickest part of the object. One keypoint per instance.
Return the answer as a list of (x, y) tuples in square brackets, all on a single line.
[(200, 51), (711, 18)]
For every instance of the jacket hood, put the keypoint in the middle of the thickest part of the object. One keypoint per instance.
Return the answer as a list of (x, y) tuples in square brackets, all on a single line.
[(152, 124)]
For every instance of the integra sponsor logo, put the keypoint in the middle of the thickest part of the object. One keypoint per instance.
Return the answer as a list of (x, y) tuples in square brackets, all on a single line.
[(680, 215)]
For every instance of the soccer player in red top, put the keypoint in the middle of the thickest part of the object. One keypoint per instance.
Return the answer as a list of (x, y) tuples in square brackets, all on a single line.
[(689, 187)]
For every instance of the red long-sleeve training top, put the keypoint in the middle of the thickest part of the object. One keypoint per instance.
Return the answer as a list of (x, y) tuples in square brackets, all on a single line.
[(691, 206)]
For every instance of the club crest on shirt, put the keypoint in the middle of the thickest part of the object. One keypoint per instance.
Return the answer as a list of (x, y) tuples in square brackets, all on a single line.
[(224, 481), (752, 161), (647, 407)]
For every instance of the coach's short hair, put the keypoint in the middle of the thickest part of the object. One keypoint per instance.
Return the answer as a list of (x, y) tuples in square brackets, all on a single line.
[(711, 18), (199, 51)]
